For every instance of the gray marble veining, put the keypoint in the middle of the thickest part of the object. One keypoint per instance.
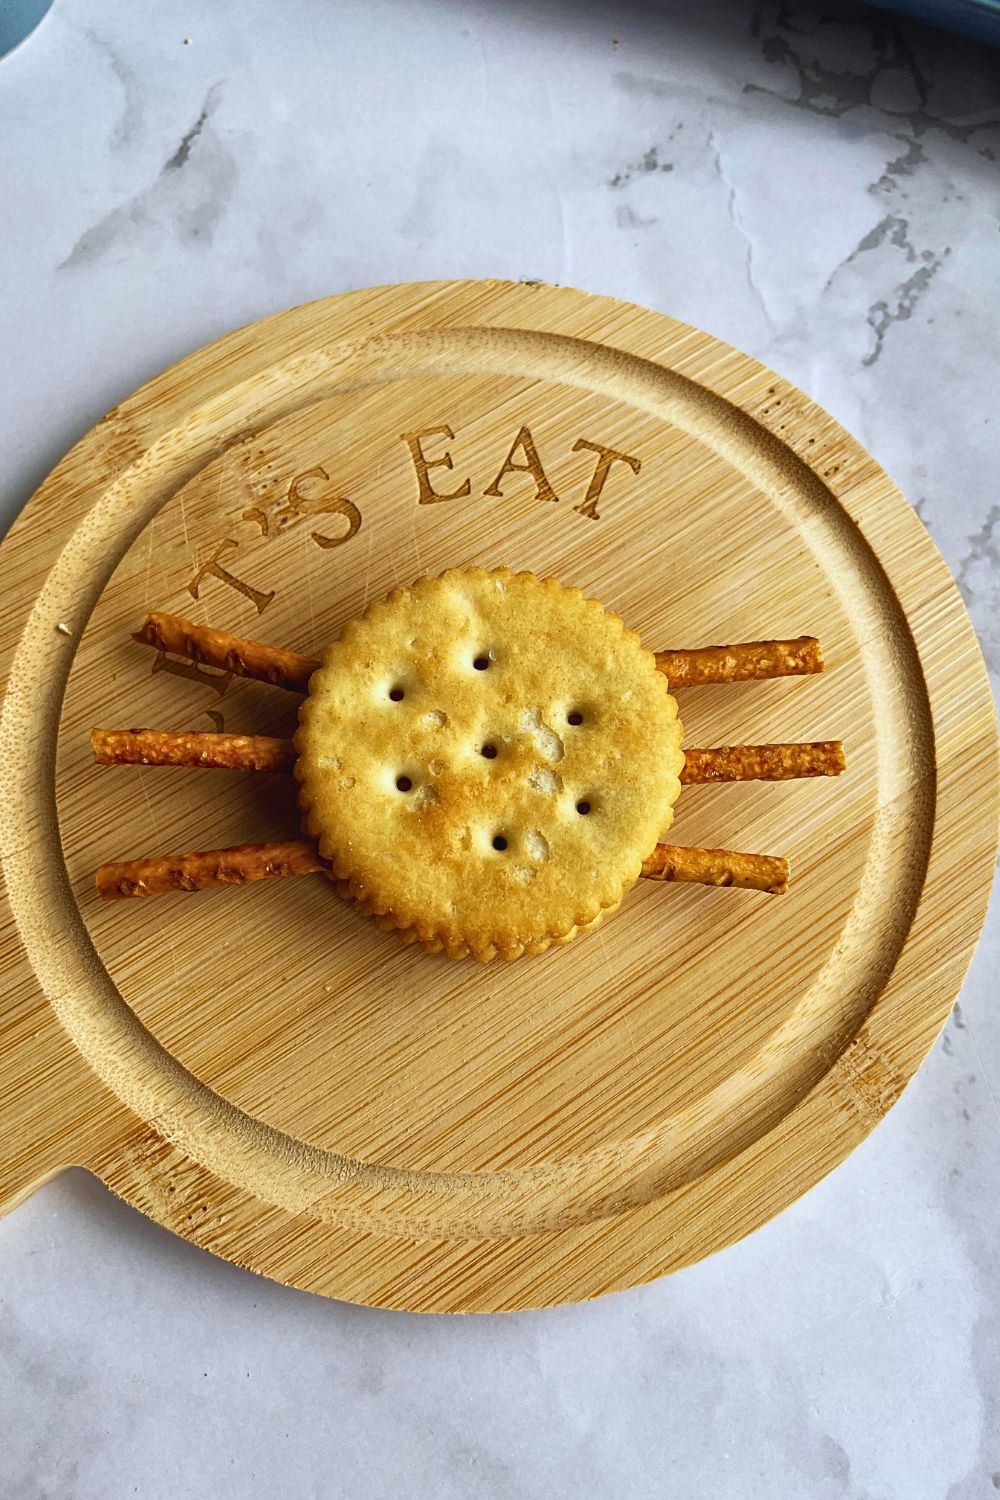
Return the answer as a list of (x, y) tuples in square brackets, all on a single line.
[(817, 185)]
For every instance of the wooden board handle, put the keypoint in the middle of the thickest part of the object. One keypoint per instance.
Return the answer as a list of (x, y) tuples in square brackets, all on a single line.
[(54, 1111)]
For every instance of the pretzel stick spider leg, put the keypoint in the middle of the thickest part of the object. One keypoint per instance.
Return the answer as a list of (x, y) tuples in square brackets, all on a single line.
[(156, 747), (200, 871), (247, 863), (751, 661), (752, 872), (232, 653), (259, 752), (763, 762)]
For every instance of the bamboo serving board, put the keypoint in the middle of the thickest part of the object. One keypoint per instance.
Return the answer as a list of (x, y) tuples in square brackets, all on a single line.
[(270, 1076)]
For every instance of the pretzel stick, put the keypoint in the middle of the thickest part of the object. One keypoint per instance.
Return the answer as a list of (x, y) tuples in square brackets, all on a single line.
[(249, 862), (260, 752), (748, 662), (197, 872), (753, 872), (232, 653), (763, 762), (745, 662), (156, 747)]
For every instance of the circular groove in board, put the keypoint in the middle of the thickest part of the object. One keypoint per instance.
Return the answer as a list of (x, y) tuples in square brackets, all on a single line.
[(596, 1126)]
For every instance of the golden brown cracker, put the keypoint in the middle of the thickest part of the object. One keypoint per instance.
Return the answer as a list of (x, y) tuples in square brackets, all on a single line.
[(485, 759)]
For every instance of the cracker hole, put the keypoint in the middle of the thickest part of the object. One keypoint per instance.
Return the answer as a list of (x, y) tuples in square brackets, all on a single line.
[(397, 694), (489, 752), (583, 807), (403, 784), (575, 718), (481, 663), (499, 842)]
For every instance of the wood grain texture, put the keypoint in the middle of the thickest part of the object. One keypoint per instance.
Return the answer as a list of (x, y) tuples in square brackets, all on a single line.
[(266, 1073)]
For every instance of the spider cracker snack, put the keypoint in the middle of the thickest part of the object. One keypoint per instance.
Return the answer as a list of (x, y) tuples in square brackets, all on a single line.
[(485, 760)]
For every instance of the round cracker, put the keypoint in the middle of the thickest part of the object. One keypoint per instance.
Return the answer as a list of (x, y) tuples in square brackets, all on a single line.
[(485, 759)]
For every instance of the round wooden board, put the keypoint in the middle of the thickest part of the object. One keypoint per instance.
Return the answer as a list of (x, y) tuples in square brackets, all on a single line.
[(270, 1076)]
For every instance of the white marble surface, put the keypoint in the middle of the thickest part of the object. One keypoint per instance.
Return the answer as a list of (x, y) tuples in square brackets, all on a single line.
[(819, 188)]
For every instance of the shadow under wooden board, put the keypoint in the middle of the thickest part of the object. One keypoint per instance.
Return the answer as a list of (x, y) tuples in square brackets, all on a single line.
[(270, 1076)]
